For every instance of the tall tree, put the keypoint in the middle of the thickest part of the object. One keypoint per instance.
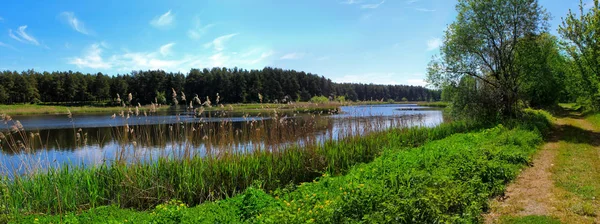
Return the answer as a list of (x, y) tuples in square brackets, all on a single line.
[(482, 44), (582, 35)]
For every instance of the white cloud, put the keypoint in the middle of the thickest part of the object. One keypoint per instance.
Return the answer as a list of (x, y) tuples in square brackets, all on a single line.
[(199, 30), (92, 58), (165, 50), (75, 23), (23, 36), (218, 43), (162, 58), (416, 82), (424, 10), (434, 43), (7, 46), (351, 2), (292, 56), (411, 1), (383, 78), (163, 20), (372, 6)]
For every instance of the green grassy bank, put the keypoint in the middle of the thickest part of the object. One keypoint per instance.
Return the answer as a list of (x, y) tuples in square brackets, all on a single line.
[(449, 180)]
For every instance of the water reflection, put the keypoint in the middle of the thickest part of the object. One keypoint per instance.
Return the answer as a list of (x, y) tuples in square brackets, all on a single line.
[(93, 139)]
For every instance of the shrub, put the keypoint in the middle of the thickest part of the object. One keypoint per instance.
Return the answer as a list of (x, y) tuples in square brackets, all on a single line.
[(319, 99)]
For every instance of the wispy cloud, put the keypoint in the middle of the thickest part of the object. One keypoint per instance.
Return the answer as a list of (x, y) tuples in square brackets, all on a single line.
[(424, 10), (292, 56), (372, 6), (390, 78), (351, 2), (434, 43), (165, 50), (411, 1), (91, 58), (7, 46), (163, 20), (75, 23), (23, 36), (218, 43), (199, 30), (1, 19)]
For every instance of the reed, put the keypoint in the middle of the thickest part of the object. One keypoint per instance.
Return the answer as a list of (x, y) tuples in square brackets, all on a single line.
[(201, 161)]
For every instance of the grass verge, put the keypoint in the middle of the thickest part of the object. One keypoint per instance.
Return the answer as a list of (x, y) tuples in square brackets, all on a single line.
[(449, 180)]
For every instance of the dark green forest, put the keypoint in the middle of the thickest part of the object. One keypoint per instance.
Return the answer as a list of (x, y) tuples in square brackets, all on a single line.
[(233, 86)]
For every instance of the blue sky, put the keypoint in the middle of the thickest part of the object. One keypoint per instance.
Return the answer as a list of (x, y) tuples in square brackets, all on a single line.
[(368, 41)]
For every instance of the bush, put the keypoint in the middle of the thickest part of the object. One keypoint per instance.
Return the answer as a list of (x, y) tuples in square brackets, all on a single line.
[(319, 99)]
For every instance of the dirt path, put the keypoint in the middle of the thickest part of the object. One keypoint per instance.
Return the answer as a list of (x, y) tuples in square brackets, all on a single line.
[(531, 193), (534, 191)]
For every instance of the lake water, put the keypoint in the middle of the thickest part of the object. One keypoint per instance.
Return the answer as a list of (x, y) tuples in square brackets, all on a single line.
[(53, 140)]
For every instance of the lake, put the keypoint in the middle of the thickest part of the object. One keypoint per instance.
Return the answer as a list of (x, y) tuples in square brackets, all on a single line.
[(52, 140)]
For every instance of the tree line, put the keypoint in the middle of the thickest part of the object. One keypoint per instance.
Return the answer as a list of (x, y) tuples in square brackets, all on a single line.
[(498, 57), (231, 85)]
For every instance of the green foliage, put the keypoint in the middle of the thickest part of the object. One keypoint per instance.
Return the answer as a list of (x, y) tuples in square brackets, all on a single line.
[(445, 181), (196, 180), (481, 45), (539, 57), (341, 99), (161, 98), (582, 34), (319, 99), (234, 86)]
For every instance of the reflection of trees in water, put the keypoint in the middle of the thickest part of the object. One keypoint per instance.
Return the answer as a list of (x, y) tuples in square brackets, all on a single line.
[(270, 131), (274, 133)]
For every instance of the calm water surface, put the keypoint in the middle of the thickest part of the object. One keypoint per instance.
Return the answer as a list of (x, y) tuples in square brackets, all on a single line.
[(53, 140)]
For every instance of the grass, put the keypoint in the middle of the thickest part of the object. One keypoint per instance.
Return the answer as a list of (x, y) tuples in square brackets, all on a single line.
[(531, 219), (577, 170), (194, 179), (31, 109), (434, 104), (445, 181)]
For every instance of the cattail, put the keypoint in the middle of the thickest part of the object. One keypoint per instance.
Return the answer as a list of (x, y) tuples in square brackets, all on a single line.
[(113, 116), (260, 97), (69, 113), (78, 136), (191, 105), (2, 136), (183, 96), (129, 98), (218, 98)]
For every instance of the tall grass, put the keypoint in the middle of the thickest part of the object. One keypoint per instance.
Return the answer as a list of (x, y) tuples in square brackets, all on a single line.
[(136, 178), (446, 181)]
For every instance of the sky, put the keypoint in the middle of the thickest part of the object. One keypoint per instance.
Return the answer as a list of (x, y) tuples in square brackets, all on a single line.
[(359, 41)]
